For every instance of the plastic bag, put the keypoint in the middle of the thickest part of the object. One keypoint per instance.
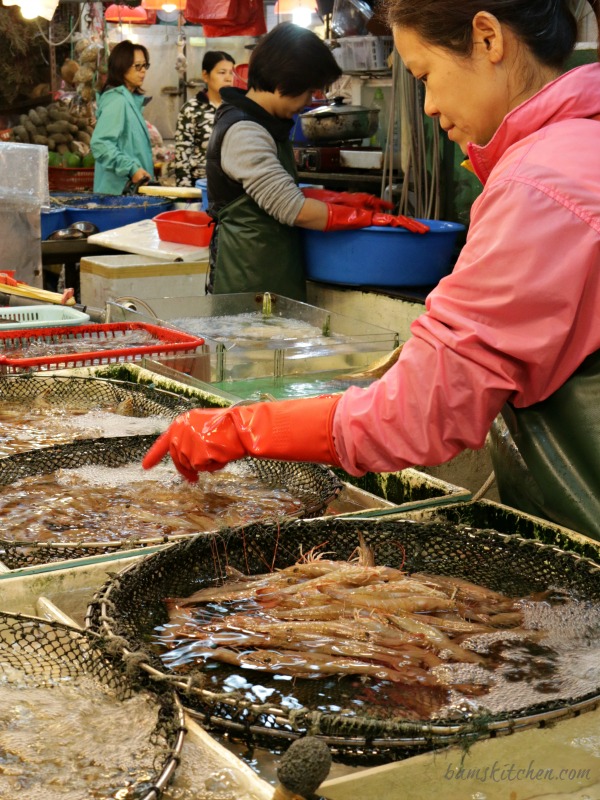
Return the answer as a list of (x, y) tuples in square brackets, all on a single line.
[(217, 12), (23, 176), (350, 18)]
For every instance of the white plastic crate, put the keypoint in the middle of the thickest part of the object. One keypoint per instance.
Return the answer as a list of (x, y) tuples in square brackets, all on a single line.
[(40, 316), (363, 53)]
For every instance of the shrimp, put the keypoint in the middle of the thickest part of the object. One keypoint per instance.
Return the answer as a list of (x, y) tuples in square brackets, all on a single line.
[(390, 605)]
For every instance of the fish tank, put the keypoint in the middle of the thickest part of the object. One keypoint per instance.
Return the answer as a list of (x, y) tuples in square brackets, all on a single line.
[(253, 336)]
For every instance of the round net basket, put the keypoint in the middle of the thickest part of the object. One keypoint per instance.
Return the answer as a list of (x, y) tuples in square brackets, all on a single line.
[(41, 665), (351, 715), (65, 392), (311, 485)]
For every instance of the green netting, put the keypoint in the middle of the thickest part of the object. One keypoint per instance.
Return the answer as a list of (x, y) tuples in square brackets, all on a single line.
[(130, 606), (44, 654)]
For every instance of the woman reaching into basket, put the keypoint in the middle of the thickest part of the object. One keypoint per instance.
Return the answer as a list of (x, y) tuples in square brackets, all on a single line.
[(515, 327), (121, 142), (251, 172)]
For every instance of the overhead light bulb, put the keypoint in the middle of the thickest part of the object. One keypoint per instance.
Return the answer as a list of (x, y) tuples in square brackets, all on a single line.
[(30, 10), (168, 7), (302, 16)]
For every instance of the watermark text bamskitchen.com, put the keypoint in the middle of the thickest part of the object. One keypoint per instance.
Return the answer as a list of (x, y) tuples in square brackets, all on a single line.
[(500, 772)]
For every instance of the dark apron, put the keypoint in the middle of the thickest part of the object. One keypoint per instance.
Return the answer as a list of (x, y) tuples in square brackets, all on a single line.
[(255, 252), (547, 459)]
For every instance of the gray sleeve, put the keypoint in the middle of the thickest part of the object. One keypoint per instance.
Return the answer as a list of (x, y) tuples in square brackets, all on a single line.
[(249, 156)]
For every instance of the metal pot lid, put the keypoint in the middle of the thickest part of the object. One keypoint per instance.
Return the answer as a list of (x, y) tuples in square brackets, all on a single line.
[(336, 107)]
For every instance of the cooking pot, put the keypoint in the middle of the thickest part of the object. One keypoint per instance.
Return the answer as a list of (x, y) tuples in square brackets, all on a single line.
[(339, 122)]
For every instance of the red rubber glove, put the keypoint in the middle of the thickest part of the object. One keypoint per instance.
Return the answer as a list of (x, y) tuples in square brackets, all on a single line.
[(204, 440), (6, 280), (342, 218), (350, 199)]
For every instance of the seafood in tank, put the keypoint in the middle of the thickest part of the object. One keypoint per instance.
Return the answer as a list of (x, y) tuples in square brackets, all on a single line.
[(38, 411), (73, 738), (433, 646), (100, 503), (43, 426)]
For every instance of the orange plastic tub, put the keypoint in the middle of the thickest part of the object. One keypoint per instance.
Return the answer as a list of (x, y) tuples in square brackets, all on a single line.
[(185, 227)]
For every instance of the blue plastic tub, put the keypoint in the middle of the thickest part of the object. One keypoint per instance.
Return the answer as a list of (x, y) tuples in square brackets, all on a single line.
[(108, 211), (201, 184), (381, 256), (52, 219)]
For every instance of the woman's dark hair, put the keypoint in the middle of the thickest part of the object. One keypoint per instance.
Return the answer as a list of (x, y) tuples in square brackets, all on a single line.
[(293, 60), (120, 60), (547, 27), (214, 57)]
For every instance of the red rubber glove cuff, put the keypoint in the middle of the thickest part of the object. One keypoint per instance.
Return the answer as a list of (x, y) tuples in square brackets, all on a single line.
[(400, 221), (349, 199), (205, 440), (343, 218)]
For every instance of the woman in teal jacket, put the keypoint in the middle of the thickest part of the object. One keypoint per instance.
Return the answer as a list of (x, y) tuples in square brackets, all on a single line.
[(121, 142)]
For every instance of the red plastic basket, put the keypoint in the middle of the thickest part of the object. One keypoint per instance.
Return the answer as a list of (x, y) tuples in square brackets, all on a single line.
[(185, 227), (167, 340), (70, 179)]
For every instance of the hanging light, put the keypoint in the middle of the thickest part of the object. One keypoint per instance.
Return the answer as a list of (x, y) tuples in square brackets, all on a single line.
[(120, 13), (30, 9), (164, 5), (301, 10)]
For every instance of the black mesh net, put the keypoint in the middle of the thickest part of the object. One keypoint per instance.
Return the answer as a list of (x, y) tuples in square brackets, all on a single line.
[(312, 485), (36, 653), (65, 391), (131, 605)]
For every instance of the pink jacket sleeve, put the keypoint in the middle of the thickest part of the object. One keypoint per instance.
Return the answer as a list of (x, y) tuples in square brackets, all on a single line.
[(512, 322)]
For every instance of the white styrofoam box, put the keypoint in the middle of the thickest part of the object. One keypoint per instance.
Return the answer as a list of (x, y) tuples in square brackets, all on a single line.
[(104, 278)]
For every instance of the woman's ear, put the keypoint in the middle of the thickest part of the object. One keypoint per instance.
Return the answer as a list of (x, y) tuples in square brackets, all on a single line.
[(488, 36)]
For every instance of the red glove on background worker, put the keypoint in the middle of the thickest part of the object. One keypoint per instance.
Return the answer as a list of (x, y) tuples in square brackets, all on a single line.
[(343, 218), (353, 210), (350, 199), (205, 440)]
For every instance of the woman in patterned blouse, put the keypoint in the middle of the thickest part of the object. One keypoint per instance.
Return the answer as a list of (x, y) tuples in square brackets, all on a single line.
[(195, 121)]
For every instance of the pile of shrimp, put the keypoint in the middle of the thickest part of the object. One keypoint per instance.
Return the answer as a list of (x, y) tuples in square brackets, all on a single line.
[(322, 617)]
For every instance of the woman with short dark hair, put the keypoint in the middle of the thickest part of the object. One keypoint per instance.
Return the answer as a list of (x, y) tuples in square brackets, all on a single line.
[(121, 142), (197, 116), (251, 171)]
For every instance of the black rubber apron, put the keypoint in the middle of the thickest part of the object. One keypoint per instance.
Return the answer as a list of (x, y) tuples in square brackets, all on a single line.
[(549, 466)]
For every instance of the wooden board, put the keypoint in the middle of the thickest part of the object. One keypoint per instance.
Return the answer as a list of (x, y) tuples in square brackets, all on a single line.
[(179, 192)]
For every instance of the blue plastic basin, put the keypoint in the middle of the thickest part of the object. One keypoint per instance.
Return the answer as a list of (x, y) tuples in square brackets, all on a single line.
[(52, 219), (381, 256), (108, 211), (201, 183)]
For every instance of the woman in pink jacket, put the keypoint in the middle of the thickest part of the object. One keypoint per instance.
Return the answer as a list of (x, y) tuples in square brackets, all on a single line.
[(516, 326)]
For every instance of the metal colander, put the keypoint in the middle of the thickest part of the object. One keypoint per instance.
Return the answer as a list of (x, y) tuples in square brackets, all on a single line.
[(312, 485), (36, 653), (130, 606)]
